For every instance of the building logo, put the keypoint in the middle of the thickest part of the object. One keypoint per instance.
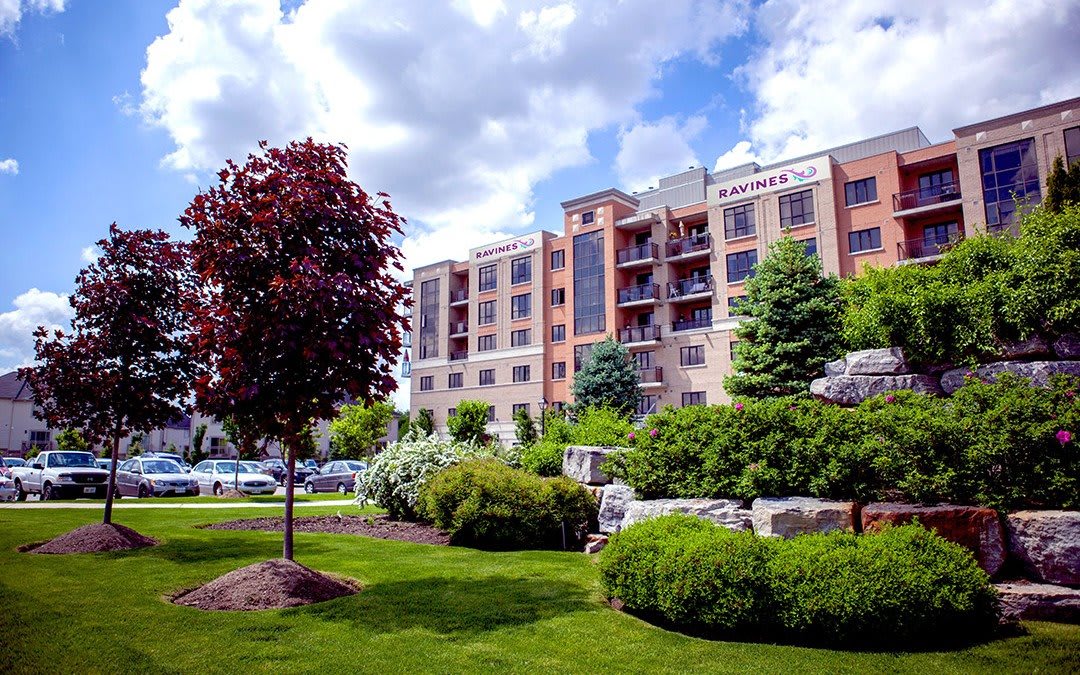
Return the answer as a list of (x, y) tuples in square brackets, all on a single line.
[(770, 181), (505, 247), (810, 172)]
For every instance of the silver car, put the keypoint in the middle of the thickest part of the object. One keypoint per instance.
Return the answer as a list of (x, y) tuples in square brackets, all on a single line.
[(339, 476), (154, 477), (216, 476), (7, 489)]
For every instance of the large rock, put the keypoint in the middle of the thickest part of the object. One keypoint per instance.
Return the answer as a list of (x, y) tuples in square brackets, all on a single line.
[(889, 361), (726, 512), (1033, 346), (789, 516), (1067, 347), (595, 543), (582, 463), (977, 529), (854, 389), (1039, 602), (1039, 372), (836, 368), (1046, 544), (613, 507)]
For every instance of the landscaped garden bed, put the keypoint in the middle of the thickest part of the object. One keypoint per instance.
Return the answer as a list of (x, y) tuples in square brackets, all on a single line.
[(379, 526)]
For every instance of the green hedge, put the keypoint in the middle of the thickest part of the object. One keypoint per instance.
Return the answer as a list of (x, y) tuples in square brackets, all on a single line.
[(485, 503), (593, 426), (901, 586), (998, 445)]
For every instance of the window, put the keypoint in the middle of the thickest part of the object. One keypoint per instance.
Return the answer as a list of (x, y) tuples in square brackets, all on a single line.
[(487, 377), (1072, 146), (934, 185), (797, 209), (521, 338), (693, 398), (486, 312), (485, 343), (429, 319), (558, 370), (740, 265), (692, 356), (455, 381), (644, 360), (521, 373), (1008, 170), (811, 246), (40, 439), (647, 404), (558, 297), (864, 240), (581, 355), (451, 412), (558, 259), (521, 270), (587, 218), (519, 406), (558, 333), (860, 191), (733, 301), (427, 383), (589, 300), (489, 277), (521, 306), (739, 221), (491, 413)]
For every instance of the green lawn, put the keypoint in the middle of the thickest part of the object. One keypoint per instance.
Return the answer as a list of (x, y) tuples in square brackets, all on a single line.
[(299, 497), (424, 608)]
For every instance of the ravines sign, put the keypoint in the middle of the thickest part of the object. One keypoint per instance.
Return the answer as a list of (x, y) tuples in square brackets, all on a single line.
[(757, 184), (514, 246)]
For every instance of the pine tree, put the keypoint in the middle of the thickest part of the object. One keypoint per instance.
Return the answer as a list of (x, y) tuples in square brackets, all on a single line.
[(424, 424), (524, 428), (608, 378), (794, 329), (1062, 185)]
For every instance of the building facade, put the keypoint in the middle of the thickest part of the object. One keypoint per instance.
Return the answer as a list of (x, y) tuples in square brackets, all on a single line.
[(662, 270)]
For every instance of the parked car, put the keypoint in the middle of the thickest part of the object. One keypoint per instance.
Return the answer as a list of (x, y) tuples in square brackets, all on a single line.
[(104, 463), (58, 474), (339, 475), (9, 463), (280, 471), (7, 489), (172, 456), (216, 476), (154, 477)]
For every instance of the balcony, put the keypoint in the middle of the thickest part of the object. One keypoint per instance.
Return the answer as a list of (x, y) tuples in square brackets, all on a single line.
[(635, 295), (926, 249), (692, 324), (644, 254), (693, 288), (459, 296), (651, 376), (459, 328), (926, 199), (637, 221), (689, 247), (639, 334), (459, 355)]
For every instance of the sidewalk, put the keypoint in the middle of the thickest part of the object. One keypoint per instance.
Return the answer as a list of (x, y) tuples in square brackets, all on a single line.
[(144, 505)]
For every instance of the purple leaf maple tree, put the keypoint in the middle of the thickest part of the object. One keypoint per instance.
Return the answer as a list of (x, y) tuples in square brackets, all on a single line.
[(301, 307)]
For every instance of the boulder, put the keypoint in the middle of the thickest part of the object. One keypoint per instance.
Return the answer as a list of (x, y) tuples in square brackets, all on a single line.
[(1039, 602), (889, 361), (836, 368), (582, 463), (854, 389), (789, 516), (1039, 372), (1067, 347), (1046, 544), (726, 512), (595, 543), (977, 529), (1033, 346), (613, 507)]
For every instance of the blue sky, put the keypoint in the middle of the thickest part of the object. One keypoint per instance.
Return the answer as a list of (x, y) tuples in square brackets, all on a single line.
[(477, 116)]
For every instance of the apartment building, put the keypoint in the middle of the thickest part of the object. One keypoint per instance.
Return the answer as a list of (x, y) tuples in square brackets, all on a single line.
[(661, 270)]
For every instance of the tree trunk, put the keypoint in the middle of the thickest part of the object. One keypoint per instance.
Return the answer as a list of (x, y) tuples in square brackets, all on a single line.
[(236, 472), (290, 467), (111, 490)]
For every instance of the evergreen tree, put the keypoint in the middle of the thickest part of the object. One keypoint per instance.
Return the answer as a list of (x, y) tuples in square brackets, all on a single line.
[(1062, 186), (424, 424), (608, 378), (525, 429), (794, 329), (469, 425)]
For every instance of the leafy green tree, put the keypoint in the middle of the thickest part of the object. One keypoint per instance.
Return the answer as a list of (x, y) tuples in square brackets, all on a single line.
[(1062, 185), (357, 428), (197, 455), (794, 329), (424, 424), (135, 447), (524, 428), (71, 439), (607, 378), (469, 425), (403, 424)]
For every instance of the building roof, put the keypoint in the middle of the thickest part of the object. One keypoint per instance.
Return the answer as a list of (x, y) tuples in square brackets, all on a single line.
[(602, 195), (970, 129), (11, 387)]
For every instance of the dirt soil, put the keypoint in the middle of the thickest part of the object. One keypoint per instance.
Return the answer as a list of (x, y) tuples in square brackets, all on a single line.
[(233, 494), (380, 527), (94, 539), (273, 584)]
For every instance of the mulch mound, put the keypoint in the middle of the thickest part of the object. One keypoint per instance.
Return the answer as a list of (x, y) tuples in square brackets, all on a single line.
[(380, 527), (233, 494), (273, 584), (94, 539)]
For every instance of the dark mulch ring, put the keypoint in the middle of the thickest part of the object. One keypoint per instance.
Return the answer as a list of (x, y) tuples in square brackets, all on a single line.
[(272, 584), (380, 527), (93, 539)]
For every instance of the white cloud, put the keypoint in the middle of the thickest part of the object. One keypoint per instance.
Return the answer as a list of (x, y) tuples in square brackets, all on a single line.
[(830, 71), (9, 166), (90, 254), (650, 150), (12, 11), (32, 309), (483, 12), (738, 155)]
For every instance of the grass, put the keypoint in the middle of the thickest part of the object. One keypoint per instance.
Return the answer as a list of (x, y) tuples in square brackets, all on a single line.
[(424, 609), (265, 499)]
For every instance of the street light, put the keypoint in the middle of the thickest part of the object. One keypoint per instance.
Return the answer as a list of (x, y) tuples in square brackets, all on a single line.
[(543, 407)]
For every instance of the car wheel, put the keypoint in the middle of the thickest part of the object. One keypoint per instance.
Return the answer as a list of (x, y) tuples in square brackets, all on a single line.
[(46, 492), (218, 490), (341, 488), (143, 492), (20, 496), (309, 488)]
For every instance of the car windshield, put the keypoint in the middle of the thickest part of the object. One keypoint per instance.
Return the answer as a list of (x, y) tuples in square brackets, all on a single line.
[(225, 467), (72, 459), (161, 466), (14, 461)]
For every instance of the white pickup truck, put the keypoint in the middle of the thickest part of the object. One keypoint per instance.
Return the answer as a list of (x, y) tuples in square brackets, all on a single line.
[(59, 474)]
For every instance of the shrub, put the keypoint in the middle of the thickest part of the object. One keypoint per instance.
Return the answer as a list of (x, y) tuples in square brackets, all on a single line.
[(594, 426), (469, 425), (487, 504), (545, 457)]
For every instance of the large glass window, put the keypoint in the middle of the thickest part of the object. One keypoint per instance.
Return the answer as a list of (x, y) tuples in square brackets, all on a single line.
[(692, 356), (797, 209), (486, 312), (521, 373), (935, 184), (489, 277), (739, 221), (521, 306), (864, 240), (521, 270), (485, 343), (487, 377), (1072, 146), (860, 191), (429, 319), (740, 265), (558, 259), (521, 338), (1008, 171), (589, 283)]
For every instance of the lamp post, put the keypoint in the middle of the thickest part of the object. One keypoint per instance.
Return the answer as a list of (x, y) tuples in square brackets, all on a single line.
[(543, 406)]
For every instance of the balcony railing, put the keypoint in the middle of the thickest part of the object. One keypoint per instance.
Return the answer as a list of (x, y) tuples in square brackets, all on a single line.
[(691, 324), (460, 295), (926, 247), (459, 356), (459, 327), (647, 251), (692, 244), (691, 286), (926, 196), (639, 334), (654, 375), (639, 293)]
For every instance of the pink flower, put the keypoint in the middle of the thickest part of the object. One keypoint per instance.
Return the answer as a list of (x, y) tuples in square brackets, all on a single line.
[(738, 407), (1070, 393), (889, 398), (653, 433), (793, 408), (1063, 436), (630, 436)]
